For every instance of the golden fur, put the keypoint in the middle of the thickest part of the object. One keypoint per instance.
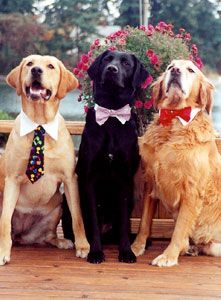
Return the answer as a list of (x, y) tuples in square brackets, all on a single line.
[(35, 209), (182, 167)]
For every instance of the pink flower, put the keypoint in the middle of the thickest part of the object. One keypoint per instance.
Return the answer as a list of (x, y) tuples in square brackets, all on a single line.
[(147, 82), (80, 75), (152, 56), (84, 58), (187, 36), (112, 48), (198, 62), (149, 53), (90, 53), (75, 71), (92, 47), (80, 65), (182, 30), (194, 49), (178, 36), (150, 27), (154, 59), (148, 33), (148, 104), (142, 27), (85, 67), (97, 42), (86, 109), (122, 41), (138, 104)]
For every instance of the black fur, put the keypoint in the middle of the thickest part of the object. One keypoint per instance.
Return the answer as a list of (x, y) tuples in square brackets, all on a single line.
[(109, 155)]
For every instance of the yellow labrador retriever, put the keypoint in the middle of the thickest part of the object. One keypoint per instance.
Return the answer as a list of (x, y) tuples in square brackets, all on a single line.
[(31, 211), (181, 164)]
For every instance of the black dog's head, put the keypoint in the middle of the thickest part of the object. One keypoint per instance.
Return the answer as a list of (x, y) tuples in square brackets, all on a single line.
[(116, 75)]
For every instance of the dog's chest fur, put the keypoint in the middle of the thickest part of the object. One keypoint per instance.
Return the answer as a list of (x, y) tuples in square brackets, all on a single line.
[(108, 147), (174, 157), (56, 162)]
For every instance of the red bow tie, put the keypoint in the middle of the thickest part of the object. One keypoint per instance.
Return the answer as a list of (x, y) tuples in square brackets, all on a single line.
[(167, 115)]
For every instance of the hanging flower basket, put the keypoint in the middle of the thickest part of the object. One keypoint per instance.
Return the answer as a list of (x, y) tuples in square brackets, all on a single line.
[(155, 46)]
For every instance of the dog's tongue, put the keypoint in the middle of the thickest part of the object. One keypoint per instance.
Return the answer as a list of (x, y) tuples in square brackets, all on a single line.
[(38, 92)]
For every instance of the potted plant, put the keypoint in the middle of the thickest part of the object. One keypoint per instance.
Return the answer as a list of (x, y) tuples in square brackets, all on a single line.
[(155, 46)]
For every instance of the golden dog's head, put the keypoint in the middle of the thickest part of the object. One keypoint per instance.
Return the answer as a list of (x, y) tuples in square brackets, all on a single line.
[(41, 78), (182, 85)]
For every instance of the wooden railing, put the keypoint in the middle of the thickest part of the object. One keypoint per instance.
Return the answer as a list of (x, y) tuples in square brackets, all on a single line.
[(75, 128), (163, 224)]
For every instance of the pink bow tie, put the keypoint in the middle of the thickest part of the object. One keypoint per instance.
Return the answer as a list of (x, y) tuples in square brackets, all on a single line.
[(123, 114)]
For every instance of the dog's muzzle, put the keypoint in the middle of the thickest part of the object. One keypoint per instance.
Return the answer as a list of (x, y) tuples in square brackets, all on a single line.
[(36, 91), (175, 79)]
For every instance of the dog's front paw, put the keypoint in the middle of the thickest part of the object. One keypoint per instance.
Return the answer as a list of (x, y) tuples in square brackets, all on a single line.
[(5, 253), (82, 249), (127, 256), (138, 249), (165, 260), (65, 244), (96, 257)]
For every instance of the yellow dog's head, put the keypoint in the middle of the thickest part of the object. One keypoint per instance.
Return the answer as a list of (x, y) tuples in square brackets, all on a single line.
[(41, 78), (182, 85)]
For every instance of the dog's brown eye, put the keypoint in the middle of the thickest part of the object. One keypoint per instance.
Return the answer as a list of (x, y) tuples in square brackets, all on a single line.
[(170, 67), (108, 58), (51, 66), (190, 70), (125, 62), (29, 64)]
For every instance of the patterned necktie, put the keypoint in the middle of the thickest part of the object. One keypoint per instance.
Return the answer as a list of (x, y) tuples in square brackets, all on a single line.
[(35, 167)]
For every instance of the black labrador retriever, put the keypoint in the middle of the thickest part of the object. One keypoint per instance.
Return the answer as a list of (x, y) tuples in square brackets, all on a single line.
[(109, 154)]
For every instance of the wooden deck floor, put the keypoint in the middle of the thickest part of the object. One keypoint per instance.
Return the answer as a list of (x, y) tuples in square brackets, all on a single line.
[(50, 273)]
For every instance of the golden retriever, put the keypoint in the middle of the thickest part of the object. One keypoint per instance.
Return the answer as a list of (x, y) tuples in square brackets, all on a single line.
[(181, 164), (31, 212)]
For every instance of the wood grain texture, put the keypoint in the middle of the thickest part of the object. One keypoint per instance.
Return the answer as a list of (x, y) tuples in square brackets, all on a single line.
[(50, 273), (74, 127)]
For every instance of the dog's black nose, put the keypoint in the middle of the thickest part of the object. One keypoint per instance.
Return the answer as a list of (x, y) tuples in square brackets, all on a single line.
[(36, 71), (112, 68), (175, 71)]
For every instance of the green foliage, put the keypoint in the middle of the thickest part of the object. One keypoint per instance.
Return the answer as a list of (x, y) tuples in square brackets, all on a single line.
[(199, 18), (17, 6), (5, 116), (129, 13), (155, 47), (72, 23)]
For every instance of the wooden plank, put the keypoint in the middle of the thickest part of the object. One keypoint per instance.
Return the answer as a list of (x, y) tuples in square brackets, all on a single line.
[(161, 228), (74, 127), (50, 273)]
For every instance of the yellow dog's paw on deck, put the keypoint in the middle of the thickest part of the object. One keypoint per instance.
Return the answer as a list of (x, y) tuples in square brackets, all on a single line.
[(82, 249), (138, 249), (5, 253), (165, 260)]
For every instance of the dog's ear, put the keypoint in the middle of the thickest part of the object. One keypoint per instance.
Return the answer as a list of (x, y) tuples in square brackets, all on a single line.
[(157, 91), (94, 67), (14, 79), (206, 95), (68, 82), (140, 73)]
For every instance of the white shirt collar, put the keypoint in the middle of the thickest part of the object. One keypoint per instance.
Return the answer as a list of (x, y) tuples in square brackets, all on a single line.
[(194, 112), (27, 125)]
